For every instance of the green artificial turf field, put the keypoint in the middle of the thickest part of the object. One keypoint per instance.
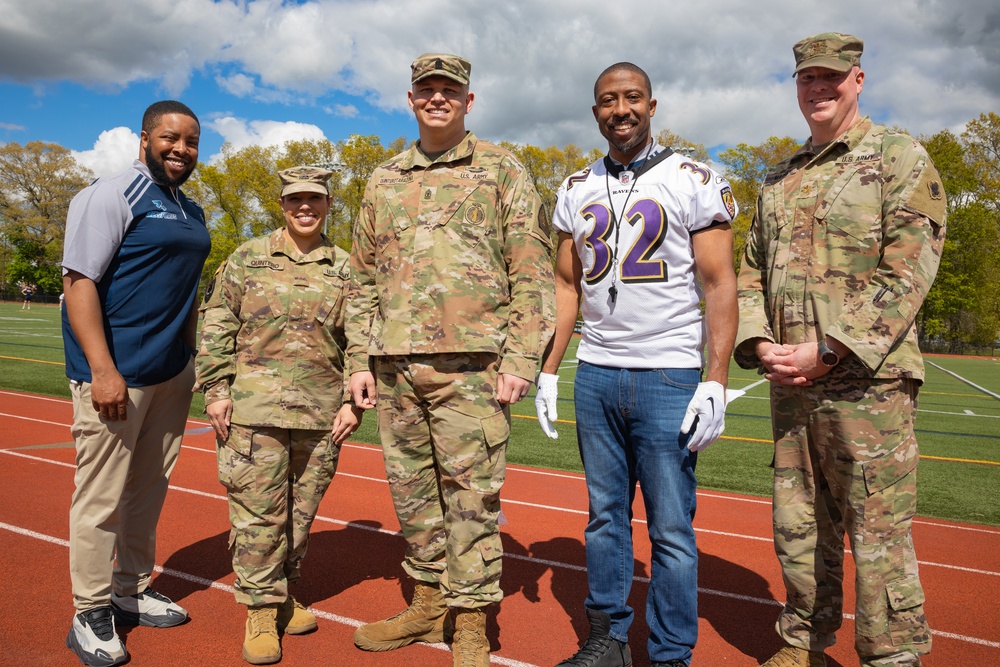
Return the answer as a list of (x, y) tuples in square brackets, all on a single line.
[(958, 424)]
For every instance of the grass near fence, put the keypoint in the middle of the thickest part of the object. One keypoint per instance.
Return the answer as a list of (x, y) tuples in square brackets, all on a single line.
[(958, 424)]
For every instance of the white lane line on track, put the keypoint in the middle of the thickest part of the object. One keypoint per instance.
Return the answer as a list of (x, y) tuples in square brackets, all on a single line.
[(34, 397), (495, 658), (208, 583), (31, 419), (553, 508)]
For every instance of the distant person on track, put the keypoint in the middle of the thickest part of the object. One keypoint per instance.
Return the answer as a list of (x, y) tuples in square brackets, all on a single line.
[(843, 249), (28, 291), (451, 306), (271, 364), (133, 254), (644, 236)]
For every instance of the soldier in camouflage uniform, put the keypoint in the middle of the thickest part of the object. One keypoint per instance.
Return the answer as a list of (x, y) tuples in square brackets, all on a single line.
[(271, 365), (451, 305), (844, 247)]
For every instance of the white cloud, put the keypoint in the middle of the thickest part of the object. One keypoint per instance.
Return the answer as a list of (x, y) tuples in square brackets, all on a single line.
[(343, 110), (242, 86), (720, 68), (237, 85), (113, 151), (240, 133), (12, 127)]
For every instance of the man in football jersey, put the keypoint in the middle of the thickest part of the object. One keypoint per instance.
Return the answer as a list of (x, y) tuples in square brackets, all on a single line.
[(637, 229)]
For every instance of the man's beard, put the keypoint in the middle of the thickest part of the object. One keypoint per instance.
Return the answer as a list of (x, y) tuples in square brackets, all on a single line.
[(626, 146), (159, 172)]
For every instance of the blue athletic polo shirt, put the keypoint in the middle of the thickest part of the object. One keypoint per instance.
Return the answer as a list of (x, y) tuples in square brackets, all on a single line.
[(144, 246)]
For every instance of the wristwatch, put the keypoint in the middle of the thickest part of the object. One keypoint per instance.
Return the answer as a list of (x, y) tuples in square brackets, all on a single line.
[(826, 355)]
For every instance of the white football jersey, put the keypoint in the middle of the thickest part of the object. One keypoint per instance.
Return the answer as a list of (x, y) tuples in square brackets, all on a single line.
[(652, 319)]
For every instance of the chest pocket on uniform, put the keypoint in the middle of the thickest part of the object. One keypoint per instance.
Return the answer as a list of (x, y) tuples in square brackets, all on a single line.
[(466, 218), (392, 220), (334, 282), (852, 209), (260, 300), (775, 221)]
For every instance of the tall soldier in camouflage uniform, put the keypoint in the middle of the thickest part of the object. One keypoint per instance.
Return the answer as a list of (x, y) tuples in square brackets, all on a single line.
[(845, 244), (452, 303), (271, 365)]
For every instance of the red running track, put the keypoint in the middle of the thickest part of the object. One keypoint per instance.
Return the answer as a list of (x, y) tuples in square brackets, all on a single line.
[(352, 573)]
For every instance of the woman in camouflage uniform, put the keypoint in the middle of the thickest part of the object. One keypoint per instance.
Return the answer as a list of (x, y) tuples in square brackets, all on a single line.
[(271, 366)]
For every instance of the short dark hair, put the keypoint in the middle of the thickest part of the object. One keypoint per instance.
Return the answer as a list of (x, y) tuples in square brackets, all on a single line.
[(158, 110), (630, 68)]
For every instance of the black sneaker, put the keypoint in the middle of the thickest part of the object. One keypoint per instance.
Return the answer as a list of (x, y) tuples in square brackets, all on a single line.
[(670, 663), (148, 608), (94, 640), (600, 649)]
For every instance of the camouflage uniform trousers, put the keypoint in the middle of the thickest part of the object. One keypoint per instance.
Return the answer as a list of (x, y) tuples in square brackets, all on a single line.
[(275, 479), (444, 440), (845, 459)]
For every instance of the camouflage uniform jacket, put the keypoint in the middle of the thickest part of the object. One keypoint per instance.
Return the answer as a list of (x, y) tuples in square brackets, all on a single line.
[(450, 255), (846, 242), (273, 335)]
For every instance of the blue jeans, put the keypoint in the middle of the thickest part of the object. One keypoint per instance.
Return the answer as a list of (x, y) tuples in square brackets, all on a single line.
[(628, 426)]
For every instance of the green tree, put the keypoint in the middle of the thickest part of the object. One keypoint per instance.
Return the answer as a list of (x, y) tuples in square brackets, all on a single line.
[(746, 167), (981, 140), (239, 194), (359, 155), (963, 306), (691, 149), (548, 167), (37, 182)]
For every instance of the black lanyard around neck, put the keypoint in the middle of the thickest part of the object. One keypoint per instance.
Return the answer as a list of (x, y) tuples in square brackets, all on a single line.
[(611, 168)]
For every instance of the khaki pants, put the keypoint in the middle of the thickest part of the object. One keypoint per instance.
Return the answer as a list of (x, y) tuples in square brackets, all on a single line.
[(846, 461), (122, 472), (444, 439)]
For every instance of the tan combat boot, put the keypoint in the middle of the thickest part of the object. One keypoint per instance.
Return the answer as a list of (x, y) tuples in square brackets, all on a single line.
[(294, 618), (790, 656), (425, 620), (261, 646), (470, 647)]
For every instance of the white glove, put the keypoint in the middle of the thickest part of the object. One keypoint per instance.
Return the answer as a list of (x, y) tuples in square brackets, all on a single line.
[(545, 403), (709, 406)]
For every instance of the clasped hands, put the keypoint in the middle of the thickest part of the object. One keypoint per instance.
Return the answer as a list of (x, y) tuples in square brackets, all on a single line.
[(797, 365)]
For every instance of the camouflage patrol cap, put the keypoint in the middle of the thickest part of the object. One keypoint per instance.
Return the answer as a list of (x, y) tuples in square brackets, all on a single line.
[(304, 179), (832, 50), (455, 68)]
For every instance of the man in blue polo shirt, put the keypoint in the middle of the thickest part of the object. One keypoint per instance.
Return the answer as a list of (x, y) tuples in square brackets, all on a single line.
[(133, 253)]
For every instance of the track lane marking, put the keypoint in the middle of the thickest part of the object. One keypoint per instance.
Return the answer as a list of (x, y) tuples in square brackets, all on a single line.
[(495, 658), (554, 508), (219, 586), (706, 494)]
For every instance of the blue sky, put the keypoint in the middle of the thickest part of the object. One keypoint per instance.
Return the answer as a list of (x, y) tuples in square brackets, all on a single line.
[(80, 73)]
